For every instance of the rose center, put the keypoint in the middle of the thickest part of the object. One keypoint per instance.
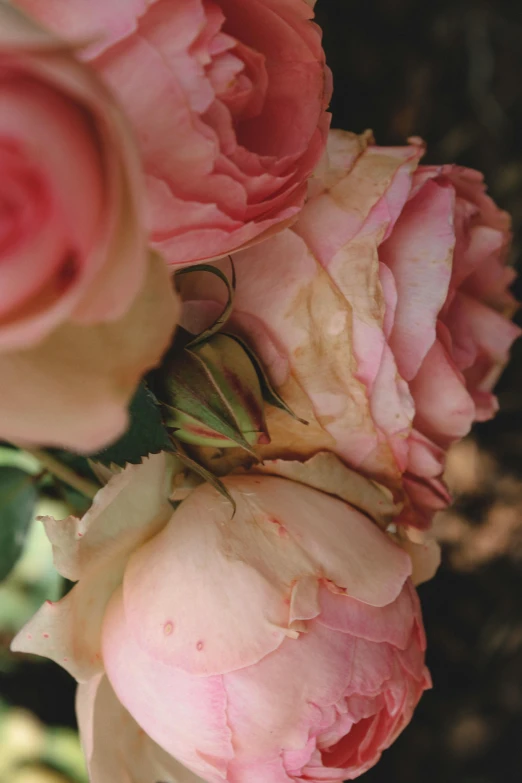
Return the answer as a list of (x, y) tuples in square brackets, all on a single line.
[(342, 753), (23, 201), (236, 71)]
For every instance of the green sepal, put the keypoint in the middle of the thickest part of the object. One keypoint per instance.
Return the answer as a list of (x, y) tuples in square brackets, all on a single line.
[(238, 381), (205, 474), (207, 333), (269, 393)]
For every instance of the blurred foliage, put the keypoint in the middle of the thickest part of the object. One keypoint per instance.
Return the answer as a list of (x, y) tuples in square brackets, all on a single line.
[(30, 752), (18, 497)]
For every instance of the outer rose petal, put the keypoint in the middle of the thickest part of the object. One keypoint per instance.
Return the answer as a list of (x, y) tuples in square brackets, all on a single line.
[(445, 410), (424, 552), (217, 563), (422, 270), (116, 748), (73, 389), (166, 698), (95, 550)]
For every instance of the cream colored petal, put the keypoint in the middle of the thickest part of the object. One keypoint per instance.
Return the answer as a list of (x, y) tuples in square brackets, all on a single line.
[(325, 471), (95, 550), (423, 550)]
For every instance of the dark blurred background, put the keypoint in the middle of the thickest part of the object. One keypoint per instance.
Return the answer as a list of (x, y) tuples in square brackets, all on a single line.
[(451, 72)]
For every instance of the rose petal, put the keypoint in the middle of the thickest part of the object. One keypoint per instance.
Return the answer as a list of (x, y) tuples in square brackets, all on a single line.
[(115, 746), (73, 389), (94, 550), (239, 572)]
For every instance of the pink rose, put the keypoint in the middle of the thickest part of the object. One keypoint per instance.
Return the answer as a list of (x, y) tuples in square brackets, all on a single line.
[(84, 309), (228, 99), (284, 642), (381, 316)]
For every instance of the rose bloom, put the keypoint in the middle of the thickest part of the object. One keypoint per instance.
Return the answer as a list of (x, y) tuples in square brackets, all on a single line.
[(280, 643), (84, 309), (381, 316), (228, 100)]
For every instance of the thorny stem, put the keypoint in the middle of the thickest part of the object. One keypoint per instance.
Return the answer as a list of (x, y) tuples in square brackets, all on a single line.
[(64, 473)]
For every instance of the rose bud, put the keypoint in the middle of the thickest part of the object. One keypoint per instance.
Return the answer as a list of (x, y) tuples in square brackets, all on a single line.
[(228, 100), (212, 394), (282, 642), (382, 316), (85, 309)]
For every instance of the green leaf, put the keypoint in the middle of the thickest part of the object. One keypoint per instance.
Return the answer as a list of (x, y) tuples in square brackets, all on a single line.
[(14, 457), (146, 434), (269, 393), (223, 318), (18, 497)]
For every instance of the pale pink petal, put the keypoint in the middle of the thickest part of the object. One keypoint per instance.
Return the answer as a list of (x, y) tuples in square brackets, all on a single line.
[(98, 23), (420, 253), (391, 623), (185, 715), (445, 410), (312, 670), (235, 611), (477, 331), (115, 747)]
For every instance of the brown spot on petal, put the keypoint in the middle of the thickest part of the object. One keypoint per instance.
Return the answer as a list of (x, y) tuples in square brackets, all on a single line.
[(168, 628), (68, 272), (199, 646)]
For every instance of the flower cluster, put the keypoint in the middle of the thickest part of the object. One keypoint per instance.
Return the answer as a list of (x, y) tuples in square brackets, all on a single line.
[(261, 337)]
